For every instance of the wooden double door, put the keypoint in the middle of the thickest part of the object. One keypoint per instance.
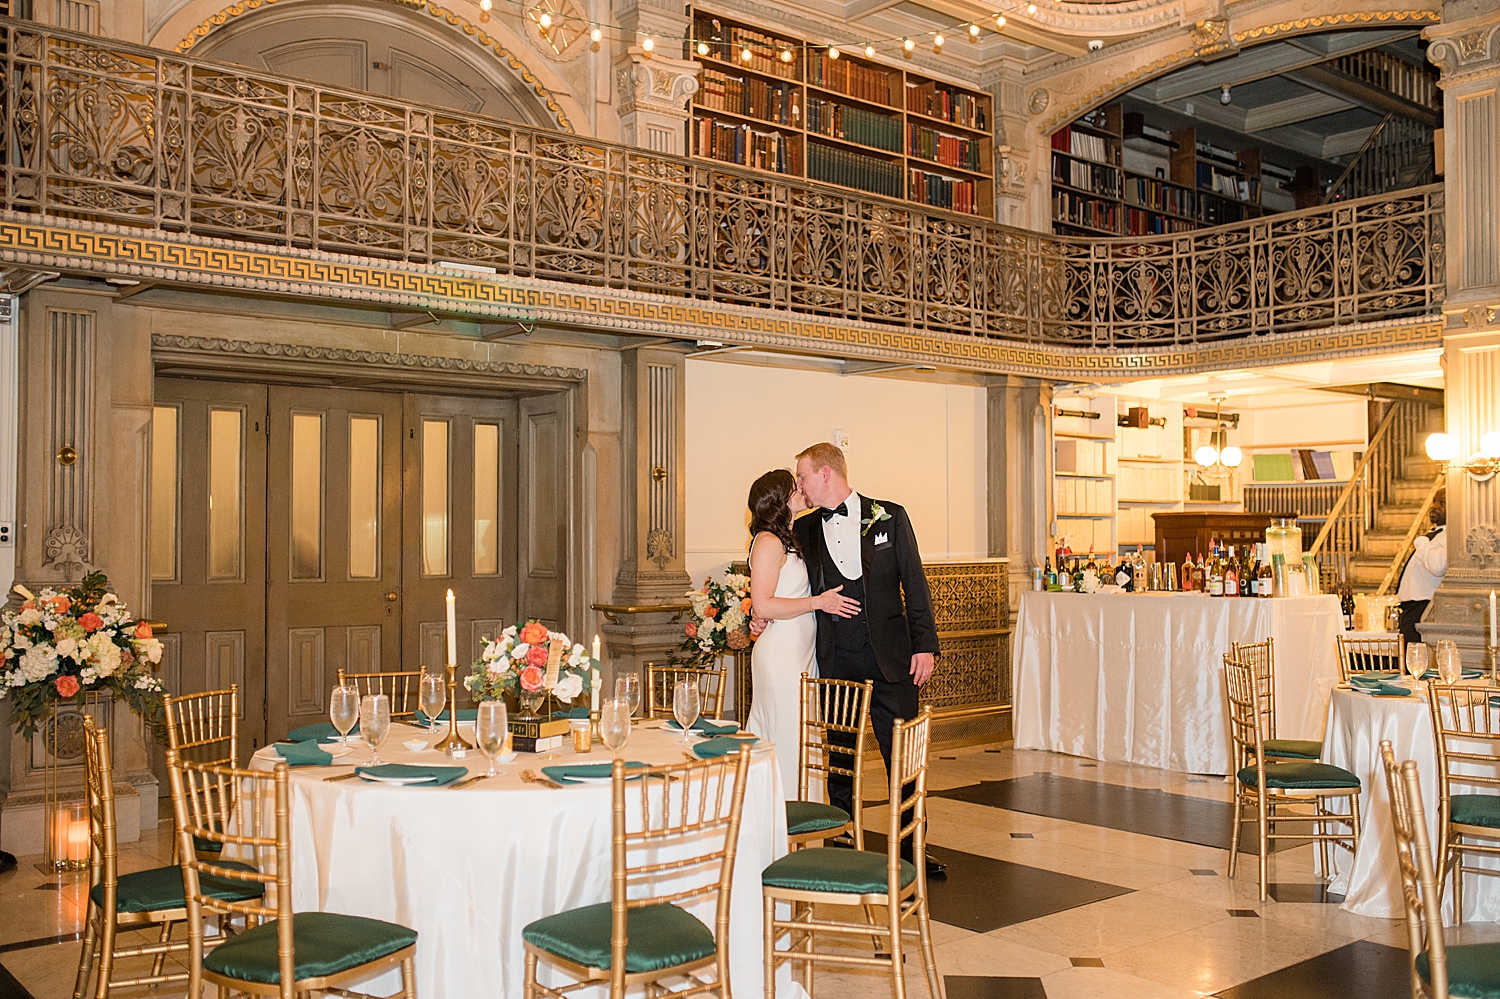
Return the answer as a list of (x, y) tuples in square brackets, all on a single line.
[(296, 531)]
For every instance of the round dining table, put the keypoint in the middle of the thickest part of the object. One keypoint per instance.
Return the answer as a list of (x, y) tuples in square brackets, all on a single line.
[(469, 867), (1371, 881)]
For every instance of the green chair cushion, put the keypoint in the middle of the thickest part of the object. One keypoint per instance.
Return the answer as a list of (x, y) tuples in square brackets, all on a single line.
[(323, 943), (1297, 749), (1301, 775), (1473, 971), (813, 816), (831, 869), (201, 845), (155, 890), (1475, 810), (658, 936)]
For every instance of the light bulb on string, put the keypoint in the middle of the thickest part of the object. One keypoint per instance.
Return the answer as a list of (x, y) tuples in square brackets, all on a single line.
[(833, 52), (486, 5), (999, 20), (869, 52), (745, 54), (1031, 8), (648, 45), (907, 45), (786, 55), (544, 21), (973, 32), (703, 48), (594, 36), (937, 42)]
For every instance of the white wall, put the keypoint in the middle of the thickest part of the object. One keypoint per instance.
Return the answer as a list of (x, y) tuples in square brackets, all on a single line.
[(917, 443), (1338, 424)]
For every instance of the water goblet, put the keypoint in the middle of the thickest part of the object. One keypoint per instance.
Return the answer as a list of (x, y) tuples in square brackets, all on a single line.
[(687, 702), (628, 689), (432, 694), (614, 724), (343, 711), (1418, 657), (1449, 662), (490, 729), (375, 723)]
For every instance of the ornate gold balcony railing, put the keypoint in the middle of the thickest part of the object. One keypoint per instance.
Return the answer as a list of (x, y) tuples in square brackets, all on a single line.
[(107, 132)]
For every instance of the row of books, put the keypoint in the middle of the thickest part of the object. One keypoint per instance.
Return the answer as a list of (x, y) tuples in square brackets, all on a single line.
[(1303, 465), (754, 98), (868, 128), (1144, 223), (948, 150), (939, 102), (1076, 210), (851, 169), (849, 78), (1099, 179), (1228, 184), (729, 45), (743, 145), (942, 192), (1090, 147)]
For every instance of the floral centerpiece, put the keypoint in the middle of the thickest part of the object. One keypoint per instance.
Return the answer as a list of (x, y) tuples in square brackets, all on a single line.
[(64, 643), (721, 617), (534, 663)]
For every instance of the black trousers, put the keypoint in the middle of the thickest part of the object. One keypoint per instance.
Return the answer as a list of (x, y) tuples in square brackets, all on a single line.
[(1411, 613), (888, 701)]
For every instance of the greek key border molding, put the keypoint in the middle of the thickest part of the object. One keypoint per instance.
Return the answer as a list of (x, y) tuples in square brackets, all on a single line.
[(96, 248)]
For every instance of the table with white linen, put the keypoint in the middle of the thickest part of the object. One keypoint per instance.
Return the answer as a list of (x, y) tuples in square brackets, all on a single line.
[(468, 868), (1139, 677), (1371, 881)]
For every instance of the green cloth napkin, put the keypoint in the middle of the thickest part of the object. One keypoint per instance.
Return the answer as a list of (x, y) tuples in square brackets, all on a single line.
[(1469, 673), (1378, 687), (464, 714), (321, 732), (705, 726), (1375, 674), (565, 774), (304, 754), (720, 746), (441, 775)]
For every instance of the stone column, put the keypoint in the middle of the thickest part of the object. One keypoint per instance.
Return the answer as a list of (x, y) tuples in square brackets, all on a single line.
[(1019, 475), (653, 86), (1466, 47), (653, 500), (1014, 159)]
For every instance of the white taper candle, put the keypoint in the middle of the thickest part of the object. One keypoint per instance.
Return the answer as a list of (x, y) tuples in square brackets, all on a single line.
[(452, 633)]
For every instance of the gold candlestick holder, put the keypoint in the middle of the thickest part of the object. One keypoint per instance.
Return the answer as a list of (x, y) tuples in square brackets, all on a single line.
[(594, 738), (453, 745), (1492, 663)]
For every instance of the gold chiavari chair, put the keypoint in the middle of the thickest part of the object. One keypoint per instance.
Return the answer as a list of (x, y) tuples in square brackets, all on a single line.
[(829, 708), (823, 875), (263, 960), (1262, 658), (401, 687), (643, 935), (134, 901), (1369, 655), (204, 728), (662, 677), (1466, 728), (1424, 902), (1270, 787)]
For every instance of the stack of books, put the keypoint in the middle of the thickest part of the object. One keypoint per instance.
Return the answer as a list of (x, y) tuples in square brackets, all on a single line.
[(851, 169), (1093, 177), (948, 150), (1075, 210), (868, 128)]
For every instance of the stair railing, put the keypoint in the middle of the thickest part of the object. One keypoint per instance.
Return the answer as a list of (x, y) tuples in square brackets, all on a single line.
[(1411, 535)]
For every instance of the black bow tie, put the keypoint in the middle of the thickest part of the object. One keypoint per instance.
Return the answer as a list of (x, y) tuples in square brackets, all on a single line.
[(841, 510)]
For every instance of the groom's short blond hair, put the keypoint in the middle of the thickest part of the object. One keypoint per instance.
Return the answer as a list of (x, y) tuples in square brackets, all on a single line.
[(826, 455)]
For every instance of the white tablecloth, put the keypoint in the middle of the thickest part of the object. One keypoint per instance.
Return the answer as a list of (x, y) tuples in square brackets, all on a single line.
[(1371, 883), (468, 868), (1139, 678)]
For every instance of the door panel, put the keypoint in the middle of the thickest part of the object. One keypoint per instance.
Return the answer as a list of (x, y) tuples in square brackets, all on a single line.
[(333, 545), (207, 536), (546, 506)]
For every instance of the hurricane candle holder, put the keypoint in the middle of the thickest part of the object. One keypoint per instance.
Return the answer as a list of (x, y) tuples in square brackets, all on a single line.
[(453, 745)]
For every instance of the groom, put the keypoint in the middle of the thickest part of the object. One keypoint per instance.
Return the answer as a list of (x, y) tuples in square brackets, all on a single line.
[(867, 547)]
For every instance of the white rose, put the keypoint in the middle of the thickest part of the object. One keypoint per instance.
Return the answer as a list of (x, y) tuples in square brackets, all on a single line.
[(28, 617), (568, 687), (519, 652), (509, 632), (67, 648), (493, 651), (151, 649)]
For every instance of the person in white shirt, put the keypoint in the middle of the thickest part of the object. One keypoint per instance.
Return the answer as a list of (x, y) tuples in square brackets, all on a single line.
[(1424, 571)]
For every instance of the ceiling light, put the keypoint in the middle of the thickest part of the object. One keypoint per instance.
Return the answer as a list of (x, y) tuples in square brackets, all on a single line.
[(1231, 456), (833, 52), (1206, 455), (974, 32), (869, 52), (703, 48), (1224, 97)]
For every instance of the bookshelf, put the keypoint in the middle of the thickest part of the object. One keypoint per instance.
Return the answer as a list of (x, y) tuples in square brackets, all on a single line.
[(1093, 194), (1084, 472), (853, 122)]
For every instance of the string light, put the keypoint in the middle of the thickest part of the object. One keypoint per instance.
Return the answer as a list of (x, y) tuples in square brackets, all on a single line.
[(937, 42), (869, 52), (594, 37), (786, 55), (907, 44), (648, 45), (973, 32), (999, 20), (486, 5), (545, 21), (1031, 8), (833, 52), (703, 48), (746, 54)]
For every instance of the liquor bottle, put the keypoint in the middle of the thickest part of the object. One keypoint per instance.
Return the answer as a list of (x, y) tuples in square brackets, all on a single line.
[(1140, 571), (1187, 573), (1050, 575), (1065, 576), (1200, 578), (1265, 579), (1231, 574), (1214, 571), (1247, 571), (1122, 575), (1078, 575)]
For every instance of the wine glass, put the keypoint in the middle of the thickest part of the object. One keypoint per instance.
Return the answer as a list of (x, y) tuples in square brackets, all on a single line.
[(687, 701), (432, 694), (1418, 656), (1449, 662), (375, 723), (628, 689), (614, 724), (489, 733), (343, 711)]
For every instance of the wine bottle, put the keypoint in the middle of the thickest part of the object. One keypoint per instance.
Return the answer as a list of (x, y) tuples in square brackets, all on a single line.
[(1215, 573), (1187, 573), (1265, 577), (1231, 584)]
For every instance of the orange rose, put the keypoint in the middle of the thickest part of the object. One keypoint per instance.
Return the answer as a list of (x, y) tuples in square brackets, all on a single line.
[(746, 604), (691, 629), (532, 679), (67, 686), (536, 655), (61, 605), (143, 630), (91, 622), (534, 633), (711, 612)]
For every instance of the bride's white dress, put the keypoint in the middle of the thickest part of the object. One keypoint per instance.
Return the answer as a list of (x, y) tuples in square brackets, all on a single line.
[(784, 651)]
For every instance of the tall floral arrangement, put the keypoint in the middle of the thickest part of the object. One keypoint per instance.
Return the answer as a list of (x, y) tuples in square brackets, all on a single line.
[(516, 661), (721, 617), (64, 643)]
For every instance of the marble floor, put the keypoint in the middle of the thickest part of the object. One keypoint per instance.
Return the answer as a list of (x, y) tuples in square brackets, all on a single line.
[(1067, 880)]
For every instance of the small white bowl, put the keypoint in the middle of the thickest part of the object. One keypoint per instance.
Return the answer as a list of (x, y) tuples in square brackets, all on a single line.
[(508, 757), (415, 745)]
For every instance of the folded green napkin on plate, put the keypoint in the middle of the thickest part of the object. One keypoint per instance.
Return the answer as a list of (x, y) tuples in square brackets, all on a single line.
[(706, 726), (571, 772), (321, 731), (1469, 673), (721, 746), (1375, 674), (464, 714), (304, 754), (1378, 687), (439, 775)]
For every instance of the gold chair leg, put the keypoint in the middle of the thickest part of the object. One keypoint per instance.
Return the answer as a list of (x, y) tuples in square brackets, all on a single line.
[(86, 957), (160, 961), (929, 957), (1263, 817), (107, 934), (1319, 828), (770, 944), (409, 979), (898, 966), (807, 946), (529, 988), (1458, 888), (1234, 835)]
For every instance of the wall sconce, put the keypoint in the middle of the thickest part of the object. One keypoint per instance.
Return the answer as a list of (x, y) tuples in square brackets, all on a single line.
[(1482, 464)]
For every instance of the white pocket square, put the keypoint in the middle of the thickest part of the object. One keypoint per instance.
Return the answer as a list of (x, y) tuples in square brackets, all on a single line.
[(881, 539)]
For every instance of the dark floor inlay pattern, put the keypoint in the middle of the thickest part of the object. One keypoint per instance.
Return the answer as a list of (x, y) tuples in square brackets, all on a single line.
[(981, 987), (40, 942), (1022, 836), (48, 886), (983, 894), (1203, 872), (1087, 962), (1302, 893), (1147, 811), (10, 988), (1243, 913), (1361, 970)]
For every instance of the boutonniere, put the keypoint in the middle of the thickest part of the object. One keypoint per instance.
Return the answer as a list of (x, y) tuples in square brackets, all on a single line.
[(877, 514)]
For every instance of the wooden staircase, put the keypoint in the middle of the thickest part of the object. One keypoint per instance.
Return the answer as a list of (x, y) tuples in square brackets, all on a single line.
[(1390, 522)]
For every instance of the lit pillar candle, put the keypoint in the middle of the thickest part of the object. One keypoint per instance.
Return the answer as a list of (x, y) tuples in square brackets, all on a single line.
[(596, 649), (1492, 619), (452, 633)]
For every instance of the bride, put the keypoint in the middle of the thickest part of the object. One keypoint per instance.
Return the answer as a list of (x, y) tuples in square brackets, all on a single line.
[(780, 593)]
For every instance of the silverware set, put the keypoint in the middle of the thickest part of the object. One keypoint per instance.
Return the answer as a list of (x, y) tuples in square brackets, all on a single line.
[(531, 777)]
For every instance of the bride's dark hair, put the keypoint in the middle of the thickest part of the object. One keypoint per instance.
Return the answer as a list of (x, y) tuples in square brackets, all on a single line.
[(768, 507)]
